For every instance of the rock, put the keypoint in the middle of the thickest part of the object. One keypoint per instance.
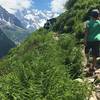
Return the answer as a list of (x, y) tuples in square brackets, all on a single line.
[(98, 95), (97, 71), (93, 96), (79, 80), (89, 79)]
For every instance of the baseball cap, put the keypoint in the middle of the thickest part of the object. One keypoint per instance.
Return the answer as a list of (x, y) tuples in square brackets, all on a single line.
[(95, 13)]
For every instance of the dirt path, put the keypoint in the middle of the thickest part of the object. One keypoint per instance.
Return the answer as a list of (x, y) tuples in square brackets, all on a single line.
[(96, 83)]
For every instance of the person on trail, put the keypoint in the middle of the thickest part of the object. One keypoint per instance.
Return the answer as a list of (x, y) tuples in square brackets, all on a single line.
[(92, 37)]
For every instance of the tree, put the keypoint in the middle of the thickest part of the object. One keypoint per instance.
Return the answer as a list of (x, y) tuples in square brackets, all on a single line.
[(70, 4)]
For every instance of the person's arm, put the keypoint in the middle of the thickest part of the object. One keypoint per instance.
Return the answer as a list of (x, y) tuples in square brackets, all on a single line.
[(85, 36), (85, 33)]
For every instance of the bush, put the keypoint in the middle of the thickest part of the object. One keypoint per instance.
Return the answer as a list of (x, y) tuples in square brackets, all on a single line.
[(43, 68)]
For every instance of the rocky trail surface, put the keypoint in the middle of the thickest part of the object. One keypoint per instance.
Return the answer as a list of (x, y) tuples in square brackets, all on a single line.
[(94, 80)]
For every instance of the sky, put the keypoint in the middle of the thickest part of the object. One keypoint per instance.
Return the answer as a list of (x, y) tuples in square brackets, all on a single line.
[(12, 6), (42, 4)]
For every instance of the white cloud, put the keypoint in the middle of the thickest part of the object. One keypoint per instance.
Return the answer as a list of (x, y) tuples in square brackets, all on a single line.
[(58, 5), (13, 5)]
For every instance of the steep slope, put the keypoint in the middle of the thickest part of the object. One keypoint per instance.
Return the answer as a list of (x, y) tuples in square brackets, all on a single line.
[(12, 26), (43, 68), (14, 33), (46, 68), (33, 19), (10, 18), (5, 44), (77, 12), (26, 21)]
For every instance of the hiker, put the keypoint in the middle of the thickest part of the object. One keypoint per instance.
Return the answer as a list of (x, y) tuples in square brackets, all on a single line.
[(92, 38)]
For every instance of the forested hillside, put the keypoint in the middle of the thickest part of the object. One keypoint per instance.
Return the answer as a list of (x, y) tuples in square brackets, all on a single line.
[(47, 64), (43, 68), (72, 20), (5, 44)]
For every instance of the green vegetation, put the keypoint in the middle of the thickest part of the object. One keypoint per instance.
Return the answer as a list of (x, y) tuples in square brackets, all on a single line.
[(43, 68), (46, 68), (72, 20)]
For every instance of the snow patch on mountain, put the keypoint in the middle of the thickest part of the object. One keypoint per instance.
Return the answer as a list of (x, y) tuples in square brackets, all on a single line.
[(33, 19)]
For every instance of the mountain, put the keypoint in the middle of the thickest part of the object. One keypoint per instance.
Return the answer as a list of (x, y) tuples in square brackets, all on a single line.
[(33, 19), (48, 64), (12, 26), (9, 18), (5, 44), (26, 21), (13, 32)]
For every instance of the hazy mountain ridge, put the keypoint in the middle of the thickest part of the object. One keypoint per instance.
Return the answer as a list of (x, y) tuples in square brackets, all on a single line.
[(10, 18), (5, 44), (12, 27), (26, 21)]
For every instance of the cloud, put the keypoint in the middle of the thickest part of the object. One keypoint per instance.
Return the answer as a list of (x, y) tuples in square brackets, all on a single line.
[(13, 5), (58, 5)]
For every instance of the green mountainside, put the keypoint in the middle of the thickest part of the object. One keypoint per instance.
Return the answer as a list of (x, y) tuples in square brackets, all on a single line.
[(46, 65), (14, 33), (43, 68), (72, 20), (5, 44)]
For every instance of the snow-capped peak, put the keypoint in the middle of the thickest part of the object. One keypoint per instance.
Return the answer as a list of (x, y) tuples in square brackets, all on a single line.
[(33, 18)]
